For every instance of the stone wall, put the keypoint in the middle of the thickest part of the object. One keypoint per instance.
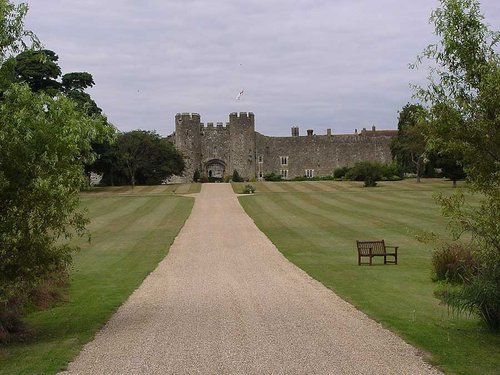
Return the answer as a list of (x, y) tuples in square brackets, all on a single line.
[(236, 146), (319, 153)]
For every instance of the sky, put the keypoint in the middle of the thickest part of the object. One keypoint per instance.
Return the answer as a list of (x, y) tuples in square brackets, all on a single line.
[(316, 64)]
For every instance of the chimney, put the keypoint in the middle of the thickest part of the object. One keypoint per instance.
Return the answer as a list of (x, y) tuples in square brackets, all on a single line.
[(310, 132), (328, 131)]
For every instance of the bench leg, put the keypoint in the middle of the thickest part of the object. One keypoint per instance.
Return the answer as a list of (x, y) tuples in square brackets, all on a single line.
[(385, 259)]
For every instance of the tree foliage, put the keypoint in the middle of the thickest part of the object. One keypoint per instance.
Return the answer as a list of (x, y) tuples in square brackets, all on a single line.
[(138, 157), (463, 104), (39, 69), (409, 147), (44, 142), (14, 38)]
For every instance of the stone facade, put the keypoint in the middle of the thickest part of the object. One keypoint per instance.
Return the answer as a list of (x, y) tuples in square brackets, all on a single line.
[(218, 150)]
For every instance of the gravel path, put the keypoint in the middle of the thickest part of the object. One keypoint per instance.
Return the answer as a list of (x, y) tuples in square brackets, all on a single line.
[(225, 301)]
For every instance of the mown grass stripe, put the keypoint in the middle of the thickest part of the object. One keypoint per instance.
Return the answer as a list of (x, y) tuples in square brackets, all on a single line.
[(317, 231), (131, 236)]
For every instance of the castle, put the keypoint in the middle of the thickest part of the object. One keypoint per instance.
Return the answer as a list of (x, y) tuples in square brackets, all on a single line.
[(217, 151)]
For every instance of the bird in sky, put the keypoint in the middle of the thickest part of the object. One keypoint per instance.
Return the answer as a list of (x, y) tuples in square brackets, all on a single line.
[(238, 97)]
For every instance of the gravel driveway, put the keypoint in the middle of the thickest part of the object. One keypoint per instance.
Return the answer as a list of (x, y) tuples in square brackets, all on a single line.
[(225, 301)]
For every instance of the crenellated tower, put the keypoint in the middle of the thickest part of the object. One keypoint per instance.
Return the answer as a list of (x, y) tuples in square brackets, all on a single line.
[(188, 141), (242, 143)]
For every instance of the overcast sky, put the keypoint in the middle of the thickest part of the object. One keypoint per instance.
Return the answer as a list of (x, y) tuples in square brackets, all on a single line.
[(340, 64)]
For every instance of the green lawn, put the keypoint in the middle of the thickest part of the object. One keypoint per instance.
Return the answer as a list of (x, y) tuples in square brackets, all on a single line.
[(132, 230), (315, 225)]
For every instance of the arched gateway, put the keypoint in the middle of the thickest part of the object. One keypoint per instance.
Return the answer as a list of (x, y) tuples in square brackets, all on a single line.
[(215, 168)]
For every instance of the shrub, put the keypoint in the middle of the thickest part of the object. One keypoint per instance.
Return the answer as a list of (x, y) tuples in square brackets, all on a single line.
[(340, 172), (370, 182), (273, 177), (452, 262), (196, 175), (367, 171), (249, 189), (392, 172), (237, 177)]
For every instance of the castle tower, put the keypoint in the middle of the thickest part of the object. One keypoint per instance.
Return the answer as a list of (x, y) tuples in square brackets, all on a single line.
[(188, 141), (242, 144)]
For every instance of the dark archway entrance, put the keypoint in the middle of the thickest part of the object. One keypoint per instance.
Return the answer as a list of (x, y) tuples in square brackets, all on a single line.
[(215, 169)]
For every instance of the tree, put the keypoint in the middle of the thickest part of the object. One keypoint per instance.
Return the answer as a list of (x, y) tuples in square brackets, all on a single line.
[(78, 81), (463, 104), (145, 158), (44, 143), (408, 148), (451, 168), (14, 38), (39, 69)]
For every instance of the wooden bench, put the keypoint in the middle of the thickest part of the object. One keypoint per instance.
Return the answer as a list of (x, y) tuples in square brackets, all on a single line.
[(372, 249)]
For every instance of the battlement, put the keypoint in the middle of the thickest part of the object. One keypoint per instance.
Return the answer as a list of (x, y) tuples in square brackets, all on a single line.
[(187, 116), (241, 115), (210, 125)]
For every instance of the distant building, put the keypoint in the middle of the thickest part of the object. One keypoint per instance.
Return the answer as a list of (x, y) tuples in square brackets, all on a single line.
[(218, 150)]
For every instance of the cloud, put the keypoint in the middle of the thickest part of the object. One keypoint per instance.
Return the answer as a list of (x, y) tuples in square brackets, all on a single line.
[(327, 64)]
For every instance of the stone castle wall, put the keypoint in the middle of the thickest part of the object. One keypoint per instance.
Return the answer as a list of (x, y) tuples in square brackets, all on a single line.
[(319, 153), (237, 146)]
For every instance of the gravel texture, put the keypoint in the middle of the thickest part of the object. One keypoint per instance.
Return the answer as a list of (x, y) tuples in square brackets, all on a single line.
[(225, 301)]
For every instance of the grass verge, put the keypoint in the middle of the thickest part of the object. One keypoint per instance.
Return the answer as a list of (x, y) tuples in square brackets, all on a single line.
[(132, 231), (315, 225)]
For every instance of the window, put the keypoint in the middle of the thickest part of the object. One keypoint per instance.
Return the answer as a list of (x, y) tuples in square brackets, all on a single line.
[(284, 160), (284, 173), (309, 173), (261, 175), (261, 159)]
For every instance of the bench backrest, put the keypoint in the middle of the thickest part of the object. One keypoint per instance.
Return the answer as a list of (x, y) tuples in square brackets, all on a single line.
[(378, 247)]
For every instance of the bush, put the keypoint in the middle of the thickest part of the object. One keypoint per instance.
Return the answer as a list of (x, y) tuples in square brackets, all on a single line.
[(370, 182), (367, 171), (249, 189), (196, 175), (273, 177), (340, 172), (392, 172), (237, 177), (453, 263)]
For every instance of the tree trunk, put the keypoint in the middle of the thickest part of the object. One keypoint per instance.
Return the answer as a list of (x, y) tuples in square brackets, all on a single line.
[(418, 169)]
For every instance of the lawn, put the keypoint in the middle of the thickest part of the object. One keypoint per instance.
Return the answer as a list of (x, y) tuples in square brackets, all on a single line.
[(132, 230), (316, 225)]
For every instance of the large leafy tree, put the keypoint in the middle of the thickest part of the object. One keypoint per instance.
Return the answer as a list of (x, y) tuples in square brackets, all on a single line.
[(145, 158), (40, 70), (45, 140), (408, 148), (463, 100)]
